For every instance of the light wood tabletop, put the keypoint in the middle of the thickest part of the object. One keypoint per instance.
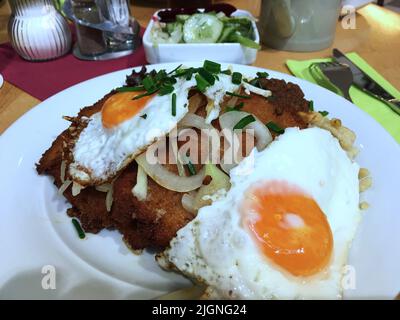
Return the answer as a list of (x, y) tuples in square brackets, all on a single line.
[(376, 38)]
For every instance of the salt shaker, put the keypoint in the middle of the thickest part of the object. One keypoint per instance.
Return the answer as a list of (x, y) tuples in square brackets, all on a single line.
[(37, 30)]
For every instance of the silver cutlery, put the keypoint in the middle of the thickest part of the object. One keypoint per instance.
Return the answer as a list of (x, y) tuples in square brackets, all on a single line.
[(339, 75), (366, 83)]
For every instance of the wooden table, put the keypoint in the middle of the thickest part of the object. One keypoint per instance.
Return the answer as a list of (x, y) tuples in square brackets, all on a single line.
[(376, 38)]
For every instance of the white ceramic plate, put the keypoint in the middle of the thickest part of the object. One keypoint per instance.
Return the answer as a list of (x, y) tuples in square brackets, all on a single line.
[(35, 231)]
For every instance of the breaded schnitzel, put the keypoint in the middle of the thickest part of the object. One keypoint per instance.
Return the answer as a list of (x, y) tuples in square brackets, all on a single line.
[(155, 221)]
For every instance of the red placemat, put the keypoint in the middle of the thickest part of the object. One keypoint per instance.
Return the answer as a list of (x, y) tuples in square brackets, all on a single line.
[(43, 79)]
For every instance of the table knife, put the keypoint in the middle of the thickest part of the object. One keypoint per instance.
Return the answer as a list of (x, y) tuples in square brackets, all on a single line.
[(366, 83)]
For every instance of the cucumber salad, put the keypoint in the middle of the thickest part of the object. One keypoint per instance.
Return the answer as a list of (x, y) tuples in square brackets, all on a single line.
[(205, 27)]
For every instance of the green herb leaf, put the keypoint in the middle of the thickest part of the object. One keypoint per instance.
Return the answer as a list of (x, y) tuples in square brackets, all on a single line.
[(160, 75), (191, 168), (177, 68), (148, 83), (165, 89), (244, 122), (324, 113), (78, 228), (130, 89), (207, 76), (236, 78), (262, 74), (311, 105), (201, 83), (212, 66), (237, 95), (227, 71), (274, 127), (174, 104), (149, 93)]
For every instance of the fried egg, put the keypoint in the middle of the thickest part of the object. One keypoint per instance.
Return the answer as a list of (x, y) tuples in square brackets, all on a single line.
[(284, 229), (126, 127)]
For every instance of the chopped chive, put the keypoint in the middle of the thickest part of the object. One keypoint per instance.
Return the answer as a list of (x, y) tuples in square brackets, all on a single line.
[(172, 71), (180, 73), (212, 66), (311, 105), (324, 113), (235, 108), (144, 116), (274, 127), (148, 83), (169, 81), (78, 228), (189, 76), (207, 76), (255, 82), (165, 90), (236, 78), (244, 122), (174, 104), (262, 74), (149, 93), (191, 168), (201, 83), (237, 95), (184, 72), (227, 71), (130, 89)]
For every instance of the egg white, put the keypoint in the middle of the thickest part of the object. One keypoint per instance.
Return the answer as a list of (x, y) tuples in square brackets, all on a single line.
[(100, 153), (217, 249)]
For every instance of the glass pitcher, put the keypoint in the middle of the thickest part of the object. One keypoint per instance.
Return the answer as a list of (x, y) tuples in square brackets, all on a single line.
[(294, 25)]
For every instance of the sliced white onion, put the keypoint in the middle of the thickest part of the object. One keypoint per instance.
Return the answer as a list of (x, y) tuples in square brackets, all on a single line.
[(105, 187), (109, 199), (64, 187), (140, 189), (179, 162), (261, 92), (76, 188), (192, 120), (168, 179), (263, 137), (217, 188), (62, 170)]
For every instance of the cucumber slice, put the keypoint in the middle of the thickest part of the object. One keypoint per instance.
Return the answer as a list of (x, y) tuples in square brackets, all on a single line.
[(202, 28), (172, 33), (182, 17)]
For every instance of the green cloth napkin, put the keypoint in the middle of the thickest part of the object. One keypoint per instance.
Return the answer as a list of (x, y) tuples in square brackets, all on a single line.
[(377, 109)]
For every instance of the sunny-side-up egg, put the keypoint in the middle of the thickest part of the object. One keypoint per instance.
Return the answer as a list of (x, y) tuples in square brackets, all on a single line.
[(126, 126), (283, 230)]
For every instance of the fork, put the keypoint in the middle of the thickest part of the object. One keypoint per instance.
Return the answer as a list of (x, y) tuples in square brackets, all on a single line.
[(334, 76)]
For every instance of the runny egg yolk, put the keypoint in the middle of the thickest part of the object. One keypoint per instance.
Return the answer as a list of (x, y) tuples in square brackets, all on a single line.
[(121, 106), (289, 227)]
